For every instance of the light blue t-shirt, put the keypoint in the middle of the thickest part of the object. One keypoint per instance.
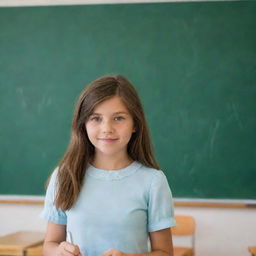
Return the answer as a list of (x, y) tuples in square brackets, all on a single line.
[(115, 209)]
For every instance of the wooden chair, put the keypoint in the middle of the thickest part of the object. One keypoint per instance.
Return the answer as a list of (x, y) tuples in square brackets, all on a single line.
[(16, 244), (185, 226)]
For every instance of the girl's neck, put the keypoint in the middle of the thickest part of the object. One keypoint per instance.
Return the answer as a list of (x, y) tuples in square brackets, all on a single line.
[(109, 163)]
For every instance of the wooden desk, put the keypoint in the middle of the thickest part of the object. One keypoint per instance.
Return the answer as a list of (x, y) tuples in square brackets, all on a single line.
[(17, 243), (252, 250), (35, 251)]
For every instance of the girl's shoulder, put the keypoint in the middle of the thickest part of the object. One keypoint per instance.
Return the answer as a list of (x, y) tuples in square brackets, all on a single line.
[(54, 173), (152, 173), (52, 180), (152, 179)]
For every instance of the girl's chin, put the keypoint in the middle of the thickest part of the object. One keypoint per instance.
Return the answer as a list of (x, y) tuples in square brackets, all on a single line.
[(110, 153)]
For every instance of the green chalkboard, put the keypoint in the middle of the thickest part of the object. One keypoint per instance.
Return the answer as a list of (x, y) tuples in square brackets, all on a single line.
[(194, 65)]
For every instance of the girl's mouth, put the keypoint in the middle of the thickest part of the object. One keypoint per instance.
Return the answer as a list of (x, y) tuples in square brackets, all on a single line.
[(108, 139)]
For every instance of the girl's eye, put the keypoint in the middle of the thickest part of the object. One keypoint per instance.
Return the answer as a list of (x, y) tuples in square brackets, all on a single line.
[(95, 118), (119, 118)]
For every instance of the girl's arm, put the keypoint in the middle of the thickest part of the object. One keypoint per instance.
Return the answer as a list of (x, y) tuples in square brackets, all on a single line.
[(55, 242), (161, 245), (161, 242)]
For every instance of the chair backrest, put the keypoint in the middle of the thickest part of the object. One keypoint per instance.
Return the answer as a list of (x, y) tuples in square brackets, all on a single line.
[(185, 226)]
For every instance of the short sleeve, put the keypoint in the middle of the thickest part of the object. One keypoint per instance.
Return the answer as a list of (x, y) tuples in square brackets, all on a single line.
[(50, 212), (160, 204)]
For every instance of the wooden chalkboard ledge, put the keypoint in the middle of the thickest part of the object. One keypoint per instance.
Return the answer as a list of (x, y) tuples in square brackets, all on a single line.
[(216, 203), (182, 202), (18, 199), (76, 2)]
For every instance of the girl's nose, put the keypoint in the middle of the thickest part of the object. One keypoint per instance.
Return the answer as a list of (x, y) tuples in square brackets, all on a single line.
[(107, 127)]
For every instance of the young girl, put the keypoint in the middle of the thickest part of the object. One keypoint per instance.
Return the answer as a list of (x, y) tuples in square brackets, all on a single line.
[(107, 191)]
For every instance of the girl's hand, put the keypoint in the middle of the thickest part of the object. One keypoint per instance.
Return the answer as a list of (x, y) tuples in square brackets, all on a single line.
[(113, 252), (68, 249)]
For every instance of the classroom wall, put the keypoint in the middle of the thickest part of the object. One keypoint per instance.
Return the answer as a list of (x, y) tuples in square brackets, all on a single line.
[(219, 232)]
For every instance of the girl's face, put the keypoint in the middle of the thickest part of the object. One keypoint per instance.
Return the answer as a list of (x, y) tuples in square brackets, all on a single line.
[(110, 127)]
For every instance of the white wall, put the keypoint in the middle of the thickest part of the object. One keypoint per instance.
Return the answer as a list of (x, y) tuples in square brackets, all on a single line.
[(16, 217), (219, 232)]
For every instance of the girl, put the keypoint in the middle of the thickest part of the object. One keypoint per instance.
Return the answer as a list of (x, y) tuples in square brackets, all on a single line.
[(108, 191)]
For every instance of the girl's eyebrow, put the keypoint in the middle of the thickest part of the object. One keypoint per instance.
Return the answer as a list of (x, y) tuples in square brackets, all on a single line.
[(120, 112)]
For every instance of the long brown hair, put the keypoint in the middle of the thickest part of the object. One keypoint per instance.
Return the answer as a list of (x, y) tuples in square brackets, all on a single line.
[(80, 151)]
